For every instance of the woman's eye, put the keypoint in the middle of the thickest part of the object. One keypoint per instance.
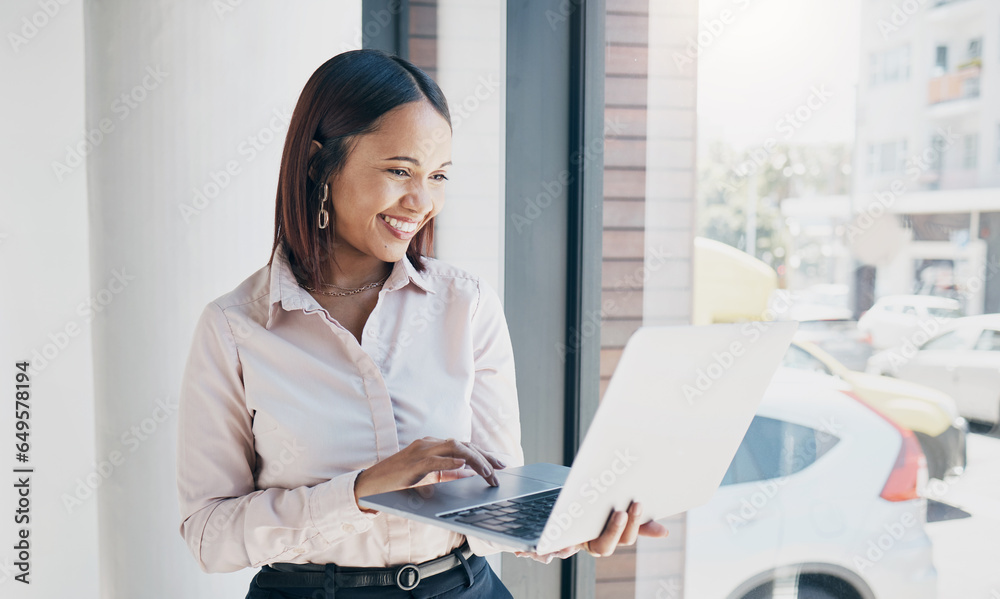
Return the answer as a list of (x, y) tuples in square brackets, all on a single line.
[(440, 177), (398, 172)]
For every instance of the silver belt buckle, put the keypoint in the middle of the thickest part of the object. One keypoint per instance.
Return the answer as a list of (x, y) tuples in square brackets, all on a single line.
[(409, 573)]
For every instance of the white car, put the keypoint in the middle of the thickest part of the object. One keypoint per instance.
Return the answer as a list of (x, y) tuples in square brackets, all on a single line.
[(963, 361), (896, 318), (822, 501)]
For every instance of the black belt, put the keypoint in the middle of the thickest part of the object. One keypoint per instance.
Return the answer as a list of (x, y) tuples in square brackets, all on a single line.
[(406, 577)]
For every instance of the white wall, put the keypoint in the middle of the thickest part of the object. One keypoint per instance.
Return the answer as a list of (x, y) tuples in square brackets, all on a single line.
[(201, 79), (471, 71), (225, 79), (44, 269)]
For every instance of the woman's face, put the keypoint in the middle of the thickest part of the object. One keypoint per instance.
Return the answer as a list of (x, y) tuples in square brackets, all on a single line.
[(392, 182)]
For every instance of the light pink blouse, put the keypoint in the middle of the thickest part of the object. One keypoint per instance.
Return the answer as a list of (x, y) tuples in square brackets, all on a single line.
[(281, 407)]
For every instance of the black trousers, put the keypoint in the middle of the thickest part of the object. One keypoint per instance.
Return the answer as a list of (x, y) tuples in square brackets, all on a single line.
[(452, 584)]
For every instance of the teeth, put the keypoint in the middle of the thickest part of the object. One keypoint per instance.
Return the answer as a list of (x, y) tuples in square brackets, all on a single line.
[(401, 225)]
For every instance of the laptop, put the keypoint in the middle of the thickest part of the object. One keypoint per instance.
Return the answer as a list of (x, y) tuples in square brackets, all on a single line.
[(673, 415)]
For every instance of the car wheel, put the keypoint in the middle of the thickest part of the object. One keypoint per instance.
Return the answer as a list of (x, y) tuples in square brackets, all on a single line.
[(814, 592), (995, 430), (811, 589)]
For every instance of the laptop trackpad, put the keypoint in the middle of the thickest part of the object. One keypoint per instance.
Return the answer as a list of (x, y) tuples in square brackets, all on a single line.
[(472, 491)]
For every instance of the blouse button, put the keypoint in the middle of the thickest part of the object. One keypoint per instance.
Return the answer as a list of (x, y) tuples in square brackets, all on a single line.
[(299, 550), (347, 528)]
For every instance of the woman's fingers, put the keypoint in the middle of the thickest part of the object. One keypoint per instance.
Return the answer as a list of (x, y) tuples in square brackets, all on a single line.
[(653, 529), (606, 543), (497, 462), (438, 462), (474, 459), (632, 527)]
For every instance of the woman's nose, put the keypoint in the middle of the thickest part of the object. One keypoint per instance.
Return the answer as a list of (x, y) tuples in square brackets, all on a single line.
[(418, 199)]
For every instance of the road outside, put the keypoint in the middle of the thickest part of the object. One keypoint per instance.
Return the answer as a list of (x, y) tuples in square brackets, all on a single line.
[(966, 532)]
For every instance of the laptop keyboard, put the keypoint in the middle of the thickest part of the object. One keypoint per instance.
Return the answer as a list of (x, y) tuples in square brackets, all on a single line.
[(523, 517)]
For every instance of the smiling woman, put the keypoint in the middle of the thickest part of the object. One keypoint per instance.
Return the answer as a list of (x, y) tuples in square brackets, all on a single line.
[(353, 364), (361, 111)]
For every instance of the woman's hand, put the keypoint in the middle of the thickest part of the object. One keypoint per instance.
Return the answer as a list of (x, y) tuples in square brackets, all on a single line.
[(623, 528), (422, 457)]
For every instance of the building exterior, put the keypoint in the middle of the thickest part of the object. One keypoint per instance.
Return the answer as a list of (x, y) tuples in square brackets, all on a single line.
[(928, 150)]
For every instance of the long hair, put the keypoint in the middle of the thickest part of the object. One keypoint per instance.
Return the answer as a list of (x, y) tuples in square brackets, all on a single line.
[(347, 96)]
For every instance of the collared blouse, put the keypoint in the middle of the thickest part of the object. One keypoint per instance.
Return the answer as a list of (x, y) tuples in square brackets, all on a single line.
[(281, 407)]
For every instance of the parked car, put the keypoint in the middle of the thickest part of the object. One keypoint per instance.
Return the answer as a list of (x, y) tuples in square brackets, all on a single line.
[(840, 338), (822, 501), (822, 302), (963, 361), (895, 318), (729, 285), (929, 413)]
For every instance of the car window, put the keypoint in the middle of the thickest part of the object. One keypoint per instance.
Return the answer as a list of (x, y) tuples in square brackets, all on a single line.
[(989, 341), (957, 339), (943, 312), (909, 310), (774, 448), (800, 359)]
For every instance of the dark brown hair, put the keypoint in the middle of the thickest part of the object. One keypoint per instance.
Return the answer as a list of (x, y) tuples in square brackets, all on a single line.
[(346, 97)]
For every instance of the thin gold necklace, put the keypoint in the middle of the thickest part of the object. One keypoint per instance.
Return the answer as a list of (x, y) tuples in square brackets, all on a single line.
[(349, 291)]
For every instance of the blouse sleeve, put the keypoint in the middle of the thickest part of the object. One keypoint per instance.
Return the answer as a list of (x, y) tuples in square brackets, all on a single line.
[(227, 522), (496, 425)]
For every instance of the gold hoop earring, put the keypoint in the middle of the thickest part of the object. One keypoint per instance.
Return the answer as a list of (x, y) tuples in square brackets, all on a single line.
[(324, 216)]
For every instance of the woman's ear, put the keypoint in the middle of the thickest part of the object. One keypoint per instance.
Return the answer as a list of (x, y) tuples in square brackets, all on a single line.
[(314, 147)]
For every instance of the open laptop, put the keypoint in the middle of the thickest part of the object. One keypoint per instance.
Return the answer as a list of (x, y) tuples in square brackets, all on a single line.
[(674, 414)]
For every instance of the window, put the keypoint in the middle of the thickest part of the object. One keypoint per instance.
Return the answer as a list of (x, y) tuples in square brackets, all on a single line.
[(957, 339), (889, 66), (975, 48), (800, 359), (970, 157), (888, 157), (775, 448), (944, 312), (941, 60), (989, 341)]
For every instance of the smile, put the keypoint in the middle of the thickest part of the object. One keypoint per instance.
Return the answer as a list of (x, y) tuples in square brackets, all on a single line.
[(399, 226)]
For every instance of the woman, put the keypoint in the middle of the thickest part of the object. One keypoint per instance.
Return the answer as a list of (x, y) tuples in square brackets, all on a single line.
[(352, 364)]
